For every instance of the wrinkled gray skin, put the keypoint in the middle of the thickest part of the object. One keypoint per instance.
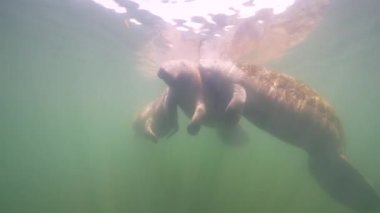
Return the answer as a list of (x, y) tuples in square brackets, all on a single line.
[(218, 93), (296, 114)]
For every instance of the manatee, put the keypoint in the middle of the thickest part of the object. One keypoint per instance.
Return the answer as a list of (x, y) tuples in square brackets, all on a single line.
[(295, 113), (218, 93)]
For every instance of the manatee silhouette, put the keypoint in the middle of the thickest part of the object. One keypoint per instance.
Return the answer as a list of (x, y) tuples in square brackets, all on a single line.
[(295, 113), (217, 93)]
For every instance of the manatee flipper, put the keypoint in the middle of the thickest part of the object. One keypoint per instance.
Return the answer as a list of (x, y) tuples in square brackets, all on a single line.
[(235, 107), (197, 118), (233, 135), (158, 118), (344, 183)]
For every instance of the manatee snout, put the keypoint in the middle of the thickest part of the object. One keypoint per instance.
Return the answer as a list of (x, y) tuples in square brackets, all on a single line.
[(166, 76)]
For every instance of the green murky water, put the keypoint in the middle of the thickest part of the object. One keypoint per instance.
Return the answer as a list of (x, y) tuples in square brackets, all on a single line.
[(69, 91)]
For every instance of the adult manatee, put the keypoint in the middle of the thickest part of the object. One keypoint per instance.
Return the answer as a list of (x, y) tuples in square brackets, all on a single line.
[(217, 93), (295, 113)]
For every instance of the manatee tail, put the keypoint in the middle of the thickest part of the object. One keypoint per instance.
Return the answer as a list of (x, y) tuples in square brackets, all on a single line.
[(344, 183)]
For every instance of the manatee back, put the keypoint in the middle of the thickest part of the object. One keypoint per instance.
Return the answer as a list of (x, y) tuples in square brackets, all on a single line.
[(291, 110)]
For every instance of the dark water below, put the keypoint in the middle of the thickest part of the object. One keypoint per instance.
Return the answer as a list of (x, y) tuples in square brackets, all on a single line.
[(69, 90)]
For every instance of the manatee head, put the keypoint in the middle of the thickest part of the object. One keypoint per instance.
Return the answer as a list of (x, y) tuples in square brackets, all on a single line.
[(178, 73)]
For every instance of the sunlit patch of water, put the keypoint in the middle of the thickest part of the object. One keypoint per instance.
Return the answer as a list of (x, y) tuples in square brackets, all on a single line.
[(243, 31), (196, 15)]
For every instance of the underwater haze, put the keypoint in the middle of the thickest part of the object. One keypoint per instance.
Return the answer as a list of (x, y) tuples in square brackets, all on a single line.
[(70, 89)]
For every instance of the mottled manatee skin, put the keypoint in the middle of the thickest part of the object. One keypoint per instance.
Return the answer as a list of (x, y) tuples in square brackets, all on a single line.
[(297, 114), (275, 102), (278, 104), (291, 111)]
